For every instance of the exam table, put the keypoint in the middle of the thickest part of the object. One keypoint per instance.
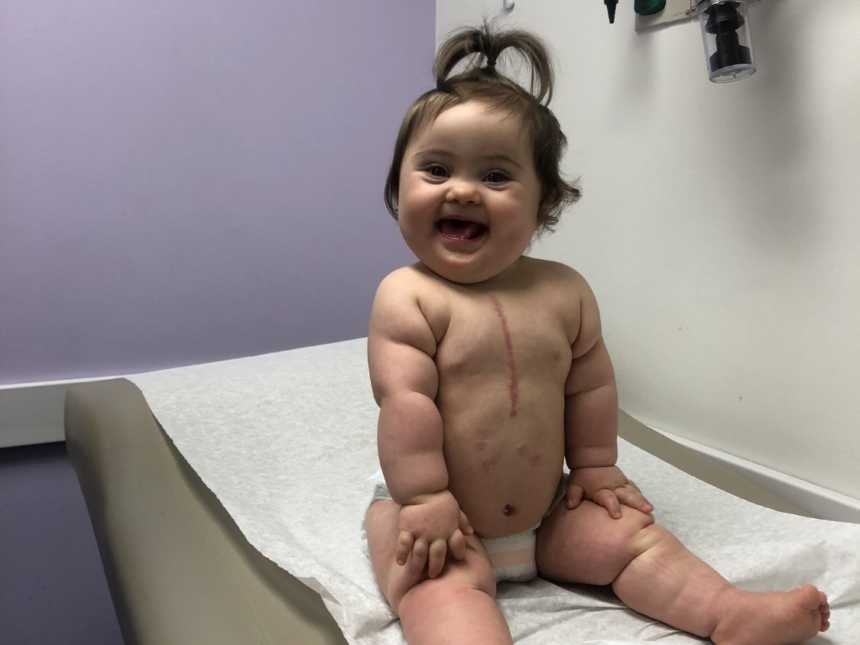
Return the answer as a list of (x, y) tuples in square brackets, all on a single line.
[(178, 567)]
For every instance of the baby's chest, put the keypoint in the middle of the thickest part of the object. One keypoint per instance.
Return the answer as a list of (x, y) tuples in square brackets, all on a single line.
[(498, 336)]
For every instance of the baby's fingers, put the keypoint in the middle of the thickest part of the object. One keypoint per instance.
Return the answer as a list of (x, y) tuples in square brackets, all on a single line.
[(457, 545), (465, 526), (419, 555), (574, 495), (438, 550), (633, 498), (608, 500), (404, 546)]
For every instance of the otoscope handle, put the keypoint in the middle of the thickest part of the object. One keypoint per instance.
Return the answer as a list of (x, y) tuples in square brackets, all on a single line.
[(610, 9)]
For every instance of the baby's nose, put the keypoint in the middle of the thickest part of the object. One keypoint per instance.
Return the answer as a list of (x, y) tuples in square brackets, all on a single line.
[(463, 191)]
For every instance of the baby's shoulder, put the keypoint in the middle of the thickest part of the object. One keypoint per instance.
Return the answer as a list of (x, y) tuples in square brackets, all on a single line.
[(399, 279), (408, 282), (414, 288), (558, 276)]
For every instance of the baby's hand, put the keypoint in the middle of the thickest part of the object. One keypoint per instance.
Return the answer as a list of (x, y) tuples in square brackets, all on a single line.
[(432, 528), (606, 486)]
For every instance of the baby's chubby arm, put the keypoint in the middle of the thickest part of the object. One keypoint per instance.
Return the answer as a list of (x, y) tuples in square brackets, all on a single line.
[(401, 346), (591, 419)]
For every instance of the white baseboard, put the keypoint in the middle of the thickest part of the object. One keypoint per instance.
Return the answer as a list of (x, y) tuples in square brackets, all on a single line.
[(818, 501), (32, 413)]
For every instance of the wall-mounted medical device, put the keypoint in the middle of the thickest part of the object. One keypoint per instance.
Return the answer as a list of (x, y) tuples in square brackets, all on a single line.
[(641, 7), (725, 32), (724, 25)]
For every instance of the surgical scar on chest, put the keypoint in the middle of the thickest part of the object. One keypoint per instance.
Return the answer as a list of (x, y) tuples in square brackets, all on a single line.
[(509, 348)]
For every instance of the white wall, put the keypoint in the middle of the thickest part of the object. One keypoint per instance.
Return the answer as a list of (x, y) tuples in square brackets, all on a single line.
[(719, 226)]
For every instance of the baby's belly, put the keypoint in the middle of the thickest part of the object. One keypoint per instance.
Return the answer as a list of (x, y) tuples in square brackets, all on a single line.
[(505, 470)]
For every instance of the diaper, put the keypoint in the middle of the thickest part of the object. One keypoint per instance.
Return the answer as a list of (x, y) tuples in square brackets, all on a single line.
[(512, 556)]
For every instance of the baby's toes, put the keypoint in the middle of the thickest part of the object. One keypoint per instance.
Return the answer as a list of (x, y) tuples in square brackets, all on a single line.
[(824, 609), (816, 602)]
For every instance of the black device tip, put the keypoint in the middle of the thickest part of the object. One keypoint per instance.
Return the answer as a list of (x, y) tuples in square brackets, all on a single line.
[(610, 9)]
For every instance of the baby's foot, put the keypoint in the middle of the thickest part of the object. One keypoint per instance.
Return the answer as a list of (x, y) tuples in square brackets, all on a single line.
[(779, 618)]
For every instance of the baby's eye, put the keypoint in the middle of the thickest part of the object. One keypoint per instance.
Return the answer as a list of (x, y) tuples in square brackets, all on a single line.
[(496, 177), (436, 170)]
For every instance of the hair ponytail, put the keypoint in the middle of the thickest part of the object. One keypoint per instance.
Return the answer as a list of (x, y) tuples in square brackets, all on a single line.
[(485, 48)]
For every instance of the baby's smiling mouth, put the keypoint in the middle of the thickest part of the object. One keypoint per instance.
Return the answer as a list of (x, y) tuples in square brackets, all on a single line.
[(460, 229)]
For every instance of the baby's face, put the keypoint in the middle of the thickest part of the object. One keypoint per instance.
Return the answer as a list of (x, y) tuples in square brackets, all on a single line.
[(469, 194)]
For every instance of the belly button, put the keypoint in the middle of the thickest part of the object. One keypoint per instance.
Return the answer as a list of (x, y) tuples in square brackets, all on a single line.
[(508, 510)]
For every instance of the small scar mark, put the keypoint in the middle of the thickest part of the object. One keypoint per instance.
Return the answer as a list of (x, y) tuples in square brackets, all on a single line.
[(489, 463), (512, 366)]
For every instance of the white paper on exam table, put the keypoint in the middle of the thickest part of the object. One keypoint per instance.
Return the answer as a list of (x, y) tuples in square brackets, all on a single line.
[(286, 442)]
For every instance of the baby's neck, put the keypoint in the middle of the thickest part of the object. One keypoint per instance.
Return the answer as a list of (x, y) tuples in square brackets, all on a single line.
[(510, 276)]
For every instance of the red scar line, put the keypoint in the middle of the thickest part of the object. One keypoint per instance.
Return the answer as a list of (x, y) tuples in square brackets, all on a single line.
[(512, 367)]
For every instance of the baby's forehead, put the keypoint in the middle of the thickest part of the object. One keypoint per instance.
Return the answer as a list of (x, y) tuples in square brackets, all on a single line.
[(473, 126)]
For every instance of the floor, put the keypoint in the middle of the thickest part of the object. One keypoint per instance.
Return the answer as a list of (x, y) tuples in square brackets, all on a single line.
[(52, 586)]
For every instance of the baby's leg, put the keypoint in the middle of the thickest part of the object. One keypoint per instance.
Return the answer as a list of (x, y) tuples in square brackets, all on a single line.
[(459, 606), (653, 573)]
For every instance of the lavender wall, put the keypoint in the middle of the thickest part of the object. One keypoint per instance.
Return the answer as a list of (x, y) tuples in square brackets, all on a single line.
[(186, 182)]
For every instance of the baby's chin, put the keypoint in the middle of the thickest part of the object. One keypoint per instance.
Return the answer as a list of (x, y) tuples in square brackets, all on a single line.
[(466, 273)]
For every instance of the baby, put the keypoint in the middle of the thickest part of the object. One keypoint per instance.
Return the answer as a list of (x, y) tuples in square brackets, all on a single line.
[(490, 370)]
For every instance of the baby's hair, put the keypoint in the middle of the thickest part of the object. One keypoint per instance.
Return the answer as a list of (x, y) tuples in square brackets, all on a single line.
[(480, 81)]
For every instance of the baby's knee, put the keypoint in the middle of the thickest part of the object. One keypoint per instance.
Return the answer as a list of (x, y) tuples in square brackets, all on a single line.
[(435, 593), (626, 532), (622, 540), (458, 578), (635, 520)]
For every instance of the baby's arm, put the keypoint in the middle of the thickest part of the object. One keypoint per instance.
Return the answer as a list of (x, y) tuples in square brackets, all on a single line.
[(591, 419), (401, 346)]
